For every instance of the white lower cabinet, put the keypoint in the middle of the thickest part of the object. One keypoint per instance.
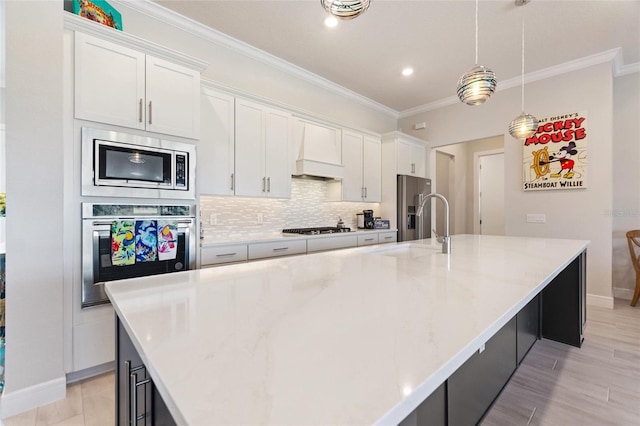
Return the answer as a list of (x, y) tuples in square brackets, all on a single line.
[(367, 239), (331, 243), (211, 256), (276, 249), (233, 253), (387, 237)]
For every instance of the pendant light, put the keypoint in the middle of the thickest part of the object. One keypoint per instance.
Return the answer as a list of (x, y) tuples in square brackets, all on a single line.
[(524, 125), (346, 9), (478, 84)]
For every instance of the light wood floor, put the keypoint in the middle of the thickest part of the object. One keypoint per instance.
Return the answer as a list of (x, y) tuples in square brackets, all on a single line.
[(598, 384)]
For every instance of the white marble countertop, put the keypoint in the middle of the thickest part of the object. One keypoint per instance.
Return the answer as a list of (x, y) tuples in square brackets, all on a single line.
[(278, 236), (356, 336)]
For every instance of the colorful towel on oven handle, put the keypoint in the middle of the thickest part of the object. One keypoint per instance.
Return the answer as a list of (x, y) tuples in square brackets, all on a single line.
[(123, 249), (167, 239), (146, 241)]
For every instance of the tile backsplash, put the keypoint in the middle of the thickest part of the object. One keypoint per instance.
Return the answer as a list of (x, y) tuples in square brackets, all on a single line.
[(307, 207)]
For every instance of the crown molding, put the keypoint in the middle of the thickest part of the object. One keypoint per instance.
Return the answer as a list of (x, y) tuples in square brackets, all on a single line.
[(613, 56), (170, 17), (76, 23)]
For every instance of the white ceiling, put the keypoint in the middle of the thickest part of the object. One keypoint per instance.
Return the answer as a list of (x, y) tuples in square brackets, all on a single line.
[(436, 38)]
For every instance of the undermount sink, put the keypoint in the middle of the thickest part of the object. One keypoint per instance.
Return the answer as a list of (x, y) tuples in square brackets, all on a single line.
[(408, 250)]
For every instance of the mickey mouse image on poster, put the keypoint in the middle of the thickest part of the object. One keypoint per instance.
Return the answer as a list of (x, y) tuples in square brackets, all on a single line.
[(563, 156)]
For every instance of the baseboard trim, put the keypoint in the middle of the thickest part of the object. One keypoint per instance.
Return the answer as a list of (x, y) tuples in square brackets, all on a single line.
[(22, 400), (622, 293), (87, 373), (601, 301)]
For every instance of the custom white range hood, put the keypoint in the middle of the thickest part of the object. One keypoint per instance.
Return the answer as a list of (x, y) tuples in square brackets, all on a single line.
[(320, 151)]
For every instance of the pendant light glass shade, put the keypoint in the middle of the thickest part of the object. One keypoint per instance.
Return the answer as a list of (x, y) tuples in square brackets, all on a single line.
[(476, 85), (523, 126), (346, 9)]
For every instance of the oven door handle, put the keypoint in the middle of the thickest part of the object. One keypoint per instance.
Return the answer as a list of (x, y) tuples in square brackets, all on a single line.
[(98, 223)]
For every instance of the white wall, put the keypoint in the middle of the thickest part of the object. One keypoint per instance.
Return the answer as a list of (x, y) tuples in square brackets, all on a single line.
[(625, 214), (34, 307), (579, 214), (457, 187)]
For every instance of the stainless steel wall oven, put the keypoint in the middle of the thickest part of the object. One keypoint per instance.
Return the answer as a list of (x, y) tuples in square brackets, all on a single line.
[(97, 264)]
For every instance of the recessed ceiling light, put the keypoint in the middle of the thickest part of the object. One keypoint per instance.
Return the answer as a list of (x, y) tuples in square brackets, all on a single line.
[(331, 21), (407, 71)]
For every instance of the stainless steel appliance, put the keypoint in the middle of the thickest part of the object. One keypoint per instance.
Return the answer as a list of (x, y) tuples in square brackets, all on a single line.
[(123, 165), (315, 231), (411, 189), (97, 267)]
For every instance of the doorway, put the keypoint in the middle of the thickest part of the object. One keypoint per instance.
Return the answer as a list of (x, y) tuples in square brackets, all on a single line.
[(489, 192), (445, 185)]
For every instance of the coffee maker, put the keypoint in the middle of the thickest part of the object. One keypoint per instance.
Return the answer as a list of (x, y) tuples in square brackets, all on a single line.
[(365, 219)]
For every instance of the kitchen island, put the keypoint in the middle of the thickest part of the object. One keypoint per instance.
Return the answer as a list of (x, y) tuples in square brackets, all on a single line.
[(357, 336)]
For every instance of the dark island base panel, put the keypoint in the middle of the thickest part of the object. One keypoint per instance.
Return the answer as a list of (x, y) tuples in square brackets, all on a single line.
[(557, 313), (138, 402)]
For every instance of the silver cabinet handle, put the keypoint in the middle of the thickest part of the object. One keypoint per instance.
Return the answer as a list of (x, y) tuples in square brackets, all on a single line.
[(140, 111), (368, 239), (365, 192), (269, 184), (150, 107), (264, 184), (232, 176), (226, 254), (133, 413), (281, 249)]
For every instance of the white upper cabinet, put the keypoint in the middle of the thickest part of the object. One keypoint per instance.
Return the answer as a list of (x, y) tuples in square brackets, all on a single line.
[(361, 158), (410, 154), (262, 161), (371, 164), (216, 148), (118, 85), (411, 158)]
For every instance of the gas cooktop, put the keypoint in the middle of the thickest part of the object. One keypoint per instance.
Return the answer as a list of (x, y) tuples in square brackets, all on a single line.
[(316, 231)]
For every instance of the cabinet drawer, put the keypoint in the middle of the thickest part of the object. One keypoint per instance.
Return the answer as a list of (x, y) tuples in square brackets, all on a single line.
[(331, 243), (387, 237), (367, 239), (223, 254), (283, 248)]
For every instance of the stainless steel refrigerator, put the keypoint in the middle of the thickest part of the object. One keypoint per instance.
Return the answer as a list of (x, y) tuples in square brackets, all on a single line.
[(411, 189)]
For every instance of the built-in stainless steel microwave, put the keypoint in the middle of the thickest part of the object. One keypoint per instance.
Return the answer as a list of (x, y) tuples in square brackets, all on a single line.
[(117, 164)]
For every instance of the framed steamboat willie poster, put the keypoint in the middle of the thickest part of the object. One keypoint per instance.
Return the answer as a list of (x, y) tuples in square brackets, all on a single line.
[(555, 157)]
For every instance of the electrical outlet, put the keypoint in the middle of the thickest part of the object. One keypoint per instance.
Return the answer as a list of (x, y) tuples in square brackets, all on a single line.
[(260, 218), (213, 219), (536, 218)]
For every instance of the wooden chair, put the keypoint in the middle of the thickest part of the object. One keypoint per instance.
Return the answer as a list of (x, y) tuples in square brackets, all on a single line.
[(633, 238)]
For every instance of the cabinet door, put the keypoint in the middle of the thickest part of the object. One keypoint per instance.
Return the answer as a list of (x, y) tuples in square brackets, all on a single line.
[(419, 156), (371, 169), (109, 82), (249, 170), (352, 188), (172, 98), (277, 162), (216, 146), (411, 159)]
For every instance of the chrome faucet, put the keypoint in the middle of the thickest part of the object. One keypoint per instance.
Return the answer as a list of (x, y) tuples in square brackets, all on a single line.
[(445, 239)]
